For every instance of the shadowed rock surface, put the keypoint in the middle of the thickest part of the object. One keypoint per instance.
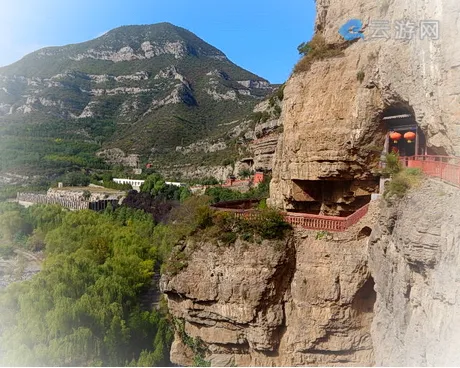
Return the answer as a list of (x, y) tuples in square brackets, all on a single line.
[(414, 259)]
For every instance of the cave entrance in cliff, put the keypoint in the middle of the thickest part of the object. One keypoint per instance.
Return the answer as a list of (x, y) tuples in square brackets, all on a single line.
[(364, 300), (331, 197), (400, 118)]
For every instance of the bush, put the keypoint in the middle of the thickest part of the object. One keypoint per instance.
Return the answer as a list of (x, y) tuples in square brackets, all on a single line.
[(280, 92), (402, 182), (219, 194), (210, 180), (320, 235), (316, 49), (360, 76), (159, 208), (398, 186), (227, 162), (75, 179), (228, 237), (270, 224), (392, 165), (204, 217), (36, 242), (245, 173), (191, 215)]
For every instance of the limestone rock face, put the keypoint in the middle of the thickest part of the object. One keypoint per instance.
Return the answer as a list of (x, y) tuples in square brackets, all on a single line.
[(193, 172), (414, 261), (117, 156), (263, 152), (302, 301), (330, 117)]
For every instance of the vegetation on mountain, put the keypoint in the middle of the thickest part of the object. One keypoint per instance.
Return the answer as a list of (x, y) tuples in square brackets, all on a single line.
[(401, 179), (199, 84), (223, 228), (221, 194), (156, 186), (83, 308), (316, 49)]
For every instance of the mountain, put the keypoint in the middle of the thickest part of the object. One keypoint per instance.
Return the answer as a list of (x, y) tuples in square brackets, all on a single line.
[(142, 89)]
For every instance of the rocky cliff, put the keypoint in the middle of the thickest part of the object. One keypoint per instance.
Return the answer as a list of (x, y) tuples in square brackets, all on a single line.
[(415, 261), (385, 293), (332, 112), (344, 299), (307, 300)]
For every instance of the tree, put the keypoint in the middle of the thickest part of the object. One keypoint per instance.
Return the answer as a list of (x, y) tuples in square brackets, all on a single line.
[(156, 186), (84, 307), (304, 48), (75, 179)]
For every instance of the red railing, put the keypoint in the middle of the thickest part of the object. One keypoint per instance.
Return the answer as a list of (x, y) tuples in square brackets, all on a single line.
[(308, 221), (446, 168), (329, 223)]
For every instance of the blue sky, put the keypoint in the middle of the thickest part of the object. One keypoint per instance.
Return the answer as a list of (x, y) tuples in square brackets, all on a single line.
[(259, 35)]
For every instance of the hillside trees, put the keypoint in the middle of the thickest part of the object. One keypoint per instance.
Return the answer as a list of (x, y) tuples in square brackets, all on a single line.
[(157, 187), (83, 308)]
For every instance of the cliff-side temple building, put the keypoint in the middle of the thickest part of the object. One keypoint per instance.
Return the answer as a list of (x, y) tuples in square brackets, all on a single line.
[(343, 113)]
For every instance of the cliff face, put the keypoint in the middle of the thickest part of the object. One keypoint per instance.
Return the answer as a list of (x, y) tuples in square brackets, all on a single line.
[(307, 300), (331, 117), (341, 300), (414, 261)]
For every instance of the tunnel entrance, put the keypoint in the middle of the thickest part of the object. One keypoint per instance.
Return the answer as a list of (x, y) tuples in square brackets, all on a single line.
[(404, 136)]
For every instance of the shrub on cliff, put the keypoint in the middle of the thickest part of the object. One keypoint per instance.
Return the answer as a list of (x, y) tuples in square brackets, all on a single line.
[(316, 49), (270, 224), (159, 208), (264, 224), (392, 165), (402, 182)]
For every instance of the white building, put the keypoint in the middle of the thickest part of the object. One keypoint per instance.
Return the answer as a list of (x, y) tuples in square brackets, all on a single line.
[(136, 184)]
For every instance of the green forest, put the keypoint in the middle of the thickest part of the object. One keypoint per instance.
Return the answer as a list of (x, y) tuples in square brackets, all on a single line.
[(86, 307)]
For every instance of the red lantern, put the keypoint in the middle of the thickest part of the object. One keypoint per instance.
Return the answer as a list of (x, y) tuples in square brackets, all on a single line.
[(409, 136), (395, 136)]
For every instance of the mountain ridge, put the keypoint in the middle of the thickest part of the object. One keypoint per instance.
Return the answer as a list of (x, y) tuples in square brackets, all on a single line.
[(159, 85)]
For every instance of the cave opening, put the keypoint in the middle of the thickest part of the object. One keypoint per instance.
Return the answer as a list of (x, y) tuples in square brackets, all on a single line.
[(404, 135), (365, 298), (365, 232), (331, 197)]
